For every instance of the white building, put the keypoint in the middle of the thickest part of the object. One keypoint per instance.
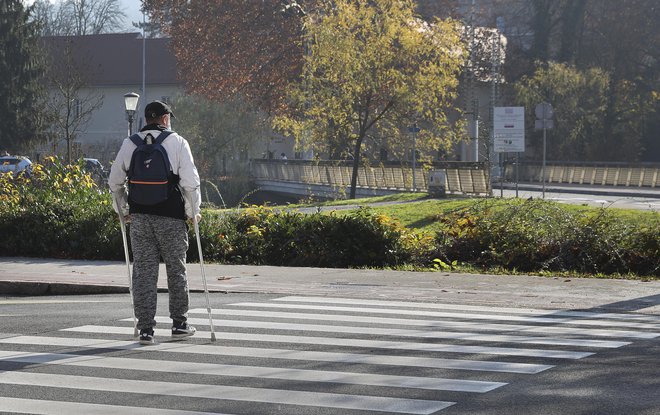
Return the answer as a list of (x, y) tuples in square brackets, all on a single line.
[(112, 65)]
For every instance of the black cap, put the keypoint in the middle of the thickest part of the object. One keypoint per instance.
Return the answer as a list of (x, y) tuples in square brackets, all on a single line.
[(156, 109)]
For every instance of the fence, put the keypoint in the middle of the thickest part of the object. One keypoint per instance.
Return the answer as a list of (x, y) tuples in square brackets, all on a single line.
[(461, 177), (605, 174)]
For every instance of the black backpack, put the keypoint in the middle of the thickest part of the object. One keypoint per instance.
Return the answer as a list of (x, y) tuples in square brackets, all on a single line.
[(150, 179)]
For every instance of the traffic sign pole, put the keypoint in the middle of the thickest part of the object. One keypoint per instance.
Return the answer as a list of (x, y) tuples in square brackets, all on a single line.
[(414, 129), (543, 166), (414, 160), (544, 113)]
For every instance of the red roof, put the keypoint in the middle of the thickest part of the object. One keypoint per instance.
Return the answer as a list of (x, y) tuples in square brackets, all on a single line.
[(115, 59)]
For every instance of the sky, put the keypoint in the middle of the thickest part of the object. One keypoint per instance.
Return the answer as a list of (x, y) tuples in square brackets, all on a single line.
[(130, 7), (132, 10)]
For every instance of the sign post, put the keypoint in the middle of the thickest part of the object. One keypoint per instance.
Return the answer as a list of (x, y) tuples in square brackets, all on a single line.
[(414, 129), (509, 134), (544, 113)]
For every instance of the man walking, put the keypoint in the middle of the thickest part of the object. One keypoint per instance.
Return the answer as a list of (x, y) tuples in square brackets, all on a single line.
[(158, 225)]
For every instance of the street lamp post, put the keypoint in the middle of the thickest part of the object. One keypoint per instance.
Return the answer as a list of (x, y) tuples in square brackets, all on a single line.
[(131, 101)]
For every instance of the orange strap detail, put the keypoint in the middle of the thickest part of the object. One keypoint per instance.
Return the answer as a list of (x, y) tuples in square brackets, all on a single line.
[(138, 182)]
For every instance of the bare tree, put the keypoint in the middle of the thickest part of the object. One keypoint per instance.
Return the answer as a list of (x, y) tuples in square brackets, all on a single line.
[(49, 16), (79, 17), (71, 102)]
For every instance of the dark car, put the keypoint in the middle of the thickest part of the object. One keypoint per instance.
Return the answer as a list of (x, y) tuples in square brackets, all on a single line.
[(95, 169)]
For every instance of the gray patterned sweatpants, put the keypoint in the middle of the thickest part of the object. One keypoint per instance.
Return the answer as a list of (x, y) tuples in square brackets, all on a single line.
[(153, 237)]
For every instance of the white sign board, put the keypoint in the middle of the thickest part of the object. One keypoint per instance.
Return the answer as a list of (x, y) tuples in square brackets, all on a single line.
[(509, 129)]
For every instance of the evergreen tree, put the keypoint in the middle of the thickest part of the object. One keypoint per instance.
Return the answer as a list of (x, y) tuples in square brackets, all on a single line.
[(20, 72)]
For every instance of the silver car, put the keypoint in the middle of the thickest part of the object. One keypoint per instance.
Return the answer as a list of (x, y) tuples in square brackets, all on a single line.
[(15, 165)]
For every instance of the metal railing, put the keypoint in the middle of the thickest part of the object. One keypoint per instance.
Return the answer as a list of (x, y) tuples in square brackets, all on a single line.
[(461, 177), (598, 174)]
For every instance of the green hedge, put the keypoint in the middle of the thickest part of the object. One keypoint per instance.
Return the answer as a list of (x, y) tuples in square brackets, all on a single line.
[(261, 235), (59, 212), (539, 235)]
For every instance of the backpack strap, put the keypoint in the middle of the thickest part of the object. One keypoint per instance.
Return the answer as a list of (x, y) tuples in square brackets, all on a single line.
[(136, 139), (162, 136)]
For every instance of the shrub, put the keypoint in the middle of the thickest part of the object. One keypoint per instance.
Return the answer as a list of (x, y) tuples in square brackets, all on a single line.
[(261, 235), (641, 249), (58, 211), (538, 235)]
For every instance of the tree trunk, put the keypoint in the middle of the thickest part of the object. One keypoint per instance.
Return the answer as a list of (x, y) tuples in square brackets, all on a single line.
[(68, 145), (356, 165), (571, 30), (609, 121), (542, 24)]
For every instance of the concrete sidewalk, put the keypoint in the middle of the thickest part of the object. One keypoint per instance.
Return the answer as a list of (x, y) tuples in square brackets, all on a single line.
[(34, 276)]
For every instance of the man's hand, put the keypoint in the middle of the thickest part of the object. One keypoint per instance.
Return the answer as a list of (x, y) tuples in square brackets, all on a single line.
[(198, 218)]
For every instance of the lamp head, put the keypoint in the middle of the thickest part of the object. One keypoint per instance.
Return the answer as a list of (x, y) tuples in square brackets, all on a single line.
[(131, 101)]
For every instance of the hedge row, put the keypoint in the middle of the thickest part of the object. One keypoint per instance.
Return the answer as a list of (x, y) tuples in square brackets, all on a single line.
[(539, 235), (60, 213), (57, 212)]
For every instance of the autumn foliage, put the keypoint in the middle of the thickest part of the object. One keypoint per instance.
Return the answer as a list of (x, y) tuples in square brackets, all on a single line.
[(229, 47)]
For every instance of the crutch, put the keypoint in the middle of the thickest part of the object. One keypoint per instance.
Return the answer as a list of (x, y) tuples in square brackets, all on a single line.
[(122, 221), (201, 264)]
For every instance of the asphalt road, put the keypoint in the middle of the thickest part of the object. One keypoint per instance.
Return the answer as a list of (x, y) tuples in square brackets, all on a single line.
[(287, 354), (595, 200)]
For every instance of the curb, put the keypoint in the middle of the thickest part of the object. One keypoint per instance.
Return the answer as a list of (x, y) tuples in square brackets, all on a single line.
[(33, 288), (30, 288)]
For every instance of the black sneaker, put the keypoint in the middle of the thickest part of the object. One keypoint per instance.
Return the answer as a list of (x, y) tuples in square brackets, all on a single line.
[(180, 330), (147, 336)]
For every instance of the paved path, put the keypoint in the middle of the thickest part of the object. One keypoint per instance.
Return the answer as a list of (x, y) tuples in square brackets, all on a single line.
[(33, 276)]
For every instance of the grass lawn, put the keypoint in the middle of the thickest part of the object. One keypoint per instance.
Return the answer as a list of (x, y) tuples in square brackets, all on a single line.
[(417, 211)]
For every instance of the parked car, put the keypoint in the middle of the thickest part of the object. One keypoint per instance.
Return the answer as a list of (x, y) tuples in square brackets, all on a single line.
[(95, 169), (15, 165)]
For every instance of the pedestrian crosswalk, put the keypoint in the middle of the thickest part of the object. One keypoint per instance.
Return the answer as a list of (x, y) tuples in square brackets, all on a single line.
[(298, 355)]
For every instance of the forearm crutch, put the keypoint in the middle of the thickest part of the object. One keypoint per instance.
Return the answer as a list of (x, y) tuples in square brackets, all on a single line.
[(122, 222), (201, 264)]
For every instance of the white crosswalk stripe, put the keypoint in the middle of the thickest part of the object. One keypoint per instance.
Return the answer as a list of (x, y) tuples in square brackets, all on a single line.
[(254, 371), (232, 393), (287, 354), (462, 307), (381, 344), (463, 315), (415, 333), (296, 352), (45, 407), (436, 324)]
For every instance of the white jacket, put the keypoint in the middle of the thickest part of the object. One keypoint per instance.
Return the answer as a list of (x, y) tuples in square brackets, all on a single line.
[(181, 161)]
